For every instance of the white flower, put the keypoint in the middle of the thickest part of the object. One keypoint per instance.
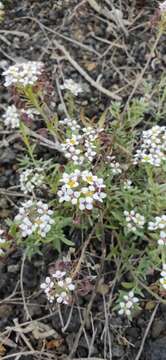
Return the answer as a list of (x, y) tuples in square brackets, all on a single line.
[(158, 223), (72, 124), (115, 166), (86, 203), (88, 177), (23, 74), (162, 239), (63, 298), (71, 85), (70, 181), (69, 284), (34, 217), (11, 117), (129, 302), (30, 112), (2, 243), (162, 7), (134, 220), (163, 277), (59, 274), (127, 184), (1, 5), (30, 179)]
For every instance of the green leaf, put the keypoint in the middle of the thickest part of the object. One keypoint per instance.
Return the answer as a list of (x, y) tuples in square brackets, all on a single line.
[(67, 242), (128, 285)]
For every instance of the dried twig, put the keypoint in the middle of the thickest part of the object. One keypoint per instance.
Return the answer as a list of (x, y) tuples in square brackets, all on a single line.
[(67, 38), (113, 15), (88, 309), (22, 287), (14, 32), (140, 77), (7, 192), (147, 332), (48, 355), (24, 338), (86, 243), (83, 73), (74, 63)]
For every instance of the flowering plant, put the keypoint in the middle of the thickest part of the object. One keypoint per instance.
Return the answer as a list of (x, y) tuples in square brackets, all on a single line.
[(104, 177)]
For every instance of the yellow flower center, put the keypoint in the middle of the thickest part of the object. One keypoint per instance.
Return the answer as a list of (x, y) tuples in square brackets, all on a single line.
[(146, 157), (72, 142), (89, 193), (71, 183), (89, 179), (38, 221)]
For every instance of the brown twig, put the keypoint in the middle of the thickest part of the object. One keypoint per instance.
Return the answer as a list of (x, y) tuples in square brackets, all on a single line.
[(140, 77), (86, 243)]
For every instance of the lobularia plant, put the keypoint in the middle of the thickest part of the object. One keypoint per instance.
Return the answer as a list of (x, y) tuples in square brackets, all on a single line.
[(108, 176)]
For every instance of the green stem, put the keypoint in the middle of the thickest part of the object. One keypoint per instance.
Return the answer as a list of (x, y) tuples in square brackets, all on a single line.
[(27, 142)]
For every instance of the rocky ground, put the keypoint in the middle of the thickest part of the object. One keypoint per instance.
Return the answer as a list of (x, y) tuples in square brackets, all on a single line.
[(112, 50)]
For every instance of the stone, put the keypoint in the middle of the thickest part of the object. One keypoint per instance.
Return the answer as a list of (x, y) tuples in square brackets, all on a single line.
[(156, 350), (158, 327), (13, 268)]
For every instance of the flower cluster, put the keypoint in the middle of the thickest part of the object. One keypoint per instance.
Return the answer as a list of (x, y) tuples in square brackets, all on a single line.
[(34, 217), (29, 113), (23, 74), (162, 6), (81, 188), (2, 243), (89, 137), (80, 146), (127, 304), (72, 124), (58, 287), (134, 220), (163, 277), (114, 165), (159, 223), (152, 148), (12, 116), (71, 151), (30, 179), (72, 86)]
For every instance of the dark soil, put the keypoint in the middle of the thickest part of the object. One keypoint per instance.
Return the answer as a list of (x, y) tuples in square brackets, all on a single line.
[(115, 56)]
